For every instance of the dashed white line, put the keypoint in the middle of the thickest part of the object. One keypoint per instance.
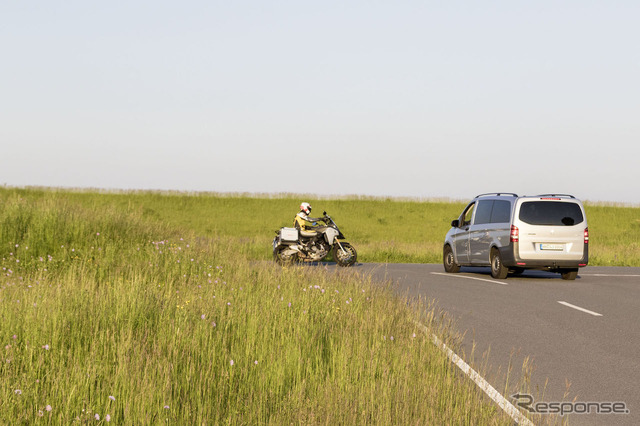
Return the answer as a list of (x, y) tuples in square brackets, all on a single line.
[(468, 277), (595, 314), (609, 275)]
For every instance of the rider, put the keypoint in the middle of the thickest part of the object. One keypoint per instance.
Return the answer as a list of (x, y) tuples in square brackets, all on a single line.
[(307, 226)]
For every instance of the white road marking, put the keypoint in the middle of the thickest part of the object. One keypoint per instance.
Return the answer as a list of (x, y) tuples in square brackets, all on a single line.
[(468, 277), (595, 314), (609, 275), (491, 392)]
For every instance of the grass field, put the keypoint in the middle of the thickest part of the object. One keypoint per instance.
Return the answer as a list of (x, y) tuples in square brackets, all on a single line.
[(112, 313), (382, 230), (146, 308)]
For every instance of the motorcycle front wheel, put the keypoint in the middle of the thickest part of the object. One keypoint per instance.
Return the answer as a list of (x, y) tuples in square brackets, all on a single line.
[(347, 257), (284, 259)]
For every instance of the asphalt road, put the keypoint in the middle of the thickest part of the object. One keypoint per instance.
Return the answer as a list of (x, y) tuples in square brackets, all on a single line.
[(584, 332)]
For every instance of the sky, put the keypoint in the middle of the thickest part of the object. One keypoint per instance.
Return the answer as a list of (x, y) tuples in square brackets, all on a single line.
[(425, 99)]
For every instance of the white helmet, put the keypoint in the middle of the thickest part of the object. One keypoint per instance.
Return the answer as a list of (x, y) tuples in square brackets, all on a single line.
[(306, 208)]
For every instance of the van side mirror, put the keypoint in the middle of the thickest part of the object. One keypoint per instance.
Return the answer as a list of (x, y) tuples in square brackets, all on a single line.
[(455, 223)]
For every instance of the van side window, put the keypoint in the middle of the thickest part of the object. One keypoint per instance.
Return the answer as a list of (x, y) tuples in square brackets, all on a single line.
[(501, 212), (467, 215), (483, 212)]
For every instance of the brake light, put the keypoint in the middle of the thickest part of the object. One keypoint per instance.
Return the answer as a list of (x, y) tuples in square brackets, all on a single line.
[(586, 235), (549, 198), (515, 234)]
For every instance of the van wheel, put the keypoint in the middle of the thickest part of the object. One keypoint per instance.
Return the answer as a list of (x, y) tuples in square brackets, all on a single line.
[(569, 274), (498, 270), (449, 261)]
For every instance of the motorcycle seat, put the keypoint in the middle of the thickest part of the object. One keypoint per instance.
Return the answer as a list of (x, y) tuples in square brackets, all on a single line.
[(308, 234)]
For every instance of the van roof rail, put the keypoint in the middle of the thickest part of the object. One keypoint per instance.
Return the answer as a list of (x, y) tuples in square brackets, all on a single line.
[(555, 195), (497, 193)]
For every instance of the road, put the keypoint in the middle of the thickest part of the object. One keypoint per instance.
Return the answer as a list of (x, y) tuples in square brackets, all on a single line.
[(583, 332)]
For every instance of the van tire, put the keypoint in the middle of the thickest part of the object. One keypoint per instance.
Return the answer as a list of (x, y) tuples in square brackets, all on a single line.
[(498, 270), (569, 274), (449, 260)]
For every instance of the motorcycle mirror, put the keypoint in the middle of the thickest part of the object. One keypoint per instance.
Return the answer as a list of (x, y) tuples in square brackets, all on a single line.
[(324, 213)]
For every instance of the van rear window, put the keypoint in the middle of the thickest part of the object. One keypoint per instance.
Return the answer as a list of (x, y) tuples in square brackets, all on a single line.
[(554, 213)]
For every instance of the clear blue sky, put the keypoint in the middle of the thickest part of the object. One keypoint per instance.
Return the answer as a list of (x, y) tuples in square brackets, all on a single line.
[(422, 99)]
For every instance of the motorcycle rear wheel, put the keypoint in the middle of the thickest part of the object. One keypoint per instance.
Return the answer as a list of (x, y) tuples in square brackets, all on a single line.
[(283, 259), (347, 257)]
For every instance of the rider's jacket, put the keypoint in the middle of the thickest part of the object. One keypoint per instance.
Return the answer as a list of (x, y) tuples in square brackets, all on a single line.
[(305, 223)]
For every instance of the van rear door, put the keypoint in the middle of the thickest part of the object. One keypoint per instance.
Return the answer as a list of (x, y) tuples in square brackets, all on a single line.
[(550, 229)]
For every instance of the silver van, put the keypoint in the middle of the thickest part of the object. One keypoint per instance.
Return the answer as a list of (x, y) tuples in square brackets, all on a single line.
[(512, 233)]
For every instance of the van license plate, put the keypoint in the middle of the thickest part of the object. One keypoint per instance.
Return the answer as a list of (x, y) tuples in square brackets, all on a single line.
[(557, 247)]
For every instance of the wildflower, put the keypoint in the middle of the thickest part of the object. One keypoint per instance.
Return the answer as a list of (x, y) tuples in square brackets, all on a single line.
[(414, 335), (48, 408), (98, 234), (18, 392), (391, 337), (289, 304), (40, 413), (166, 407), (111, 397), (14, 337), (255, 362), (231, 362), (97, 416), (213, 324), (228, 303), (202, 316), (45, 347), (107, 418)]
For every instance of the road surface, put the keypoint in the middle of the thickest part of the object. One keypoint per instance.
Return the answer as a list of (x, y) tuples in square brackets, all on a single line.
[(582, 336)]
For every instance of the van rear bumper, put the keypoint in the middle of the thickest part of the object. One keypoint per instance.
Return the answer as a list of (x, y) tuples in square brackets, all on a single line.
[(510, 260)]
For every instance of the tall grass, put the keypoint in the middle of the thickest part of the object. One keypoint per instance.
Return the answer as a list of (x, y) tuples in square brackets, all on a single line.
[(112, 311)]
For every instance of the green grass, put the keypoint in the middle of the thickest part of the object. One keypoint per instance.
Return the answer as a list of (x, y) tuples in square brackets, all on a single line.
[(148, 297), (124, 304), (382, 230)]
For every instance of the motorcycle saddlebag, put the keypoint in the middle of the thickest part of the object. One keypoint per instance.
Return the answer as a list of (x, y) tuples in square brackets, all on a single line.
[(289, 234)]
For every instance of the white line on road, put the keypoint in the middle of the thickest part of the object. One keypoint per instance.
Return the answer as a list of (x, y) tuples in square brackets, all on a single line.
[(471, 278), (595, 314), (496, 396), (609, 275)]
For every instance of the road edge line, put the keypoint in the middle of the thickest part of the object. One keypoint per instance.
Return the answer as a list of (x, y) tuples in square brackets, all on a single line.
[(468, 277), (491, 392)]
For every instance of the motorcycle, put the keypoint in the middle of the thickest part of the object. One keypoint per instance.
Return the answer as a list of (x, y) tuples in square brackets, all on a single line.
[(290, 245)]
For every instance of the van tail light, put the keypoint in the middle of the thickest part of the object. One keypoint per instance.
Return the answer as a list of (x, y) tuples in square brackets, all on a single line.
[(586, 235), (515, 234)]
